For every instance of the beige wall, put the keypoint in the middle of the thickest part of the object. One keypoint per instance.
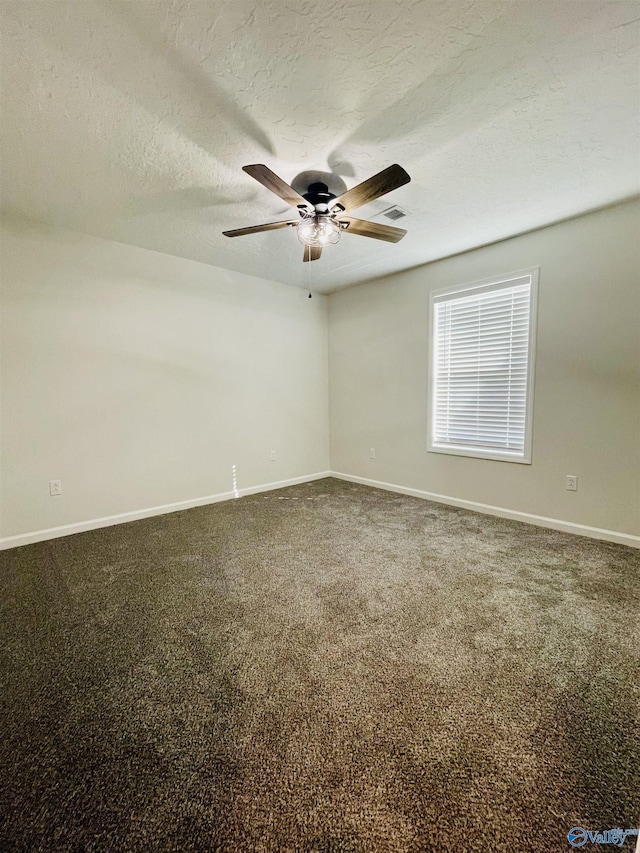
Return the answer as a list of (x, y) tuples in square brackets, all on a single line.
[(139, 379), (587, 384)]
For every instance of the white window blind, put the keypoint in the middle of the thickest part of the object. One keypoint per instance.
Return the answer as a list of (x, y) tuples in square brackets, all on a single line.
[(481, 372)]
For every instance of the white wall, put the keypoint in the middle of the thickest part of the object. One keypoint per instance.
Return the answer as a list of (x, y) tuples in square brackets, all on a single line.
[(139, 379), (587, 389)]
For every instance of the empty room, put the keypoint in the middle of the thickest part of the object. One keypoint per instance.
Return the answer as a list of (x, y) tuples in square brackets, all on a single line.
[(319, 426)]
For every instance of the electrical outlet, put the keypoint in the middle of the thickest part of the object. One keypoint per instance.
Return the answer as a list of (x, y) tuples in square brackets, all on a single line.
[(571, 483), (372, 453), (55, 487), (273, 456)]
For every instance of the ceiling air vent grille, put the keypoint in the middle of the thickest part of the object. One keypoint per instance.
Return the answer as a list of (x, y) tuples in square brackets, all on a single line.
[(394, 213)]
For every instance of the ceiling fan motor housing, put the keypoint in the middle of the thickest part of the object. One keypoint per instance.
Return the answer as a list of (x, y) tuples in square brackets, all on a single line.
[(318, 194)]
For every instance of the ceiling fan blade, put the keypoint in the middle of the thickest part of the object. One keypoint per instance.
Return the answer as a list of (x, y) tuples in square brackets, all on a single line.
[(312, 253), (372, 229), (254, 229), (271, 181), (374, 187)]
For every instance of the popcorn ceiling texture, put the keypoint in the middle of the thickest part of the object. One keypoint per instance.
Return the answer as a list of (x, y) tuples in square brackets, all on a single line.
[(327, 668), (132, 120)]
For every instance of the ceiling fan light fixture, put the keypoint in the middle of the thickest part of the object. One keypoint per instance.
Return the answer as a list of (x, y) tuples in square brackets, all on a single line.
[(319, 230), (321, 212)]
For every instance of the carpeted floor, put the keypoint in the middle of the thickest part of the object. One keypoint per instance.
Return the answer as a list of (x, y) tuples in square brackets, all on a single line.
[(328, 668)]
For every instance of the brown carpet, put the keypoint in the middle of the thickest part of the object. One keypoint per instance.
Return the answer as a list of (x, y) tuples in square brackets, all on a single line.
[(328, 668)]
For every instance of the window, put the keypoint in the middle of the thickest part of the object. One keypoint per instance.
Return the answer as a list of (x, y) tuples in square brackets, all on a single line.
[(482, 360)]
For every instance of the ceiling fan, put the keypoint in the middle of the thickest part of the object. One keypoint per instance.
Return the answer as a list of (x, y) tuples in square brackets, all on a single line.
[(321, 214)]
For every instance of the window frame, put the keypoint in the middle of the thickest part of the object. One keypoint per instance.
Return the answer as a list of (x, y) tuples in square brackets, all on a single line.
[(487, 284)]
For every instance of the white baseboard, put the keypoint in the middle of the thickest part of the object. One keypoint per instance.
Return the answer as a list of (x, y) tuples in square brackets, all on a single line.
[(501, 512), (123, 517)]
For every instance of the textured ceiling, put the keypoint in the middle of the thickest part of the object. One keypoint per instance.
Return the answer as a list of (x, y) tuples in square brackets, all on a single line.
[(132, 120)]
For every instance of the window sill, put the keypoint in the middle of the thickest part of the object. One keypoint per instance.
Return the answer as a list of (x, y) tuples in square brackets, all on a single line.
[(480, 453)]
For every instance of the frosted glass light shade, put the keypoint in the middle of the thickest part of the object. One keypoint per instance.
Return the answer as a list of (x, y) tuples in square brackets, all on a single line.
[(319, 230)]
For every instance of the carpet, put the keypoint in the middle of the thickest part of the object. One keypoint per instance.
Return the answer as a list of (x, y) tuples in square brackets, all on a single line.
[(327, 668)]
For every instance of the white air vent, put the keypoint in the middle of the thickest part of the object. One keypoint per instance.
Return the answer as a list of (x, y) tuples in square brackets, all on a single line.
[(394, 213)]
